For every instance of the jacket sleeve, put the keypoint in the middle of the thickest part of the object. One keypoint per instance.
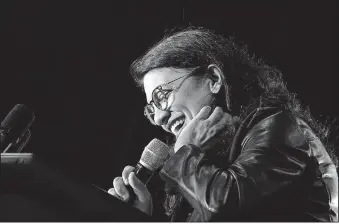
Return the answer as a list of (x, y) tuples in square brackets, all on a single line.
[(274, 155)]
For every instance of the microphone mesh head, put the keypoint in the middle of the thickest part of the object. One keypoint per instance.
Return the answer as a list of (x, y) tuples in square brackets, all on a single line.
[(154, 155)]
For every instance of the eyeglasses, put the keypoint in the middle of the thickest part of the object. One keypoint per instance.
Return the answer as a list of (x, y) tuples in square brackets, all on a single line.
[(163, 97)]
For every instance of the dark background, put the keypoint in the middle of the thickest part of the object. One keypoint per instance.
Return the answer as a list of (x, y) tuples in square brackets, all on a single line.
[(69, 62)]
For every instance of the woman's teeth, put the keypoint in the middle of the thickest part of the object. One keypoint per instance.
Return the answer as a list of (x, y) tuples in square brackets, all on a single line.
[(174, 128)]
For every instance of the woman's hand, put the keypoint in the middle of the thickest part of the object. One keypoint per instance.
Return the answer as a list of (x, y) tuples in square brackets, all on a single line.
[(202, 128), (143, 199)]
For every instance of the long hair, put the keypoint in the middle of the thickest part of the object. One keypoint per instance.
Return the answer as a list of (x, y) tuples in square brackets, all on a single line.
[(246, 78)]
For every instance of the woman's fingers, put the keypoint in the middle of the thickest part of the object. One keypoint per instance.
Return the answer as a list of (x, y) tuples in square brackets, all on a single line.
[(138, 187), (112, 191), (221, 123), (125, 173), (203, 113), (121, 189), (216, 115)]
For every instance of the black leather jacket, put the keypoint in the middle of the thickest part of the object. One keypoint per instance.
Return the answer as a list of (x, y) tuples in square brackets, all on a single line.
[(278, 170)]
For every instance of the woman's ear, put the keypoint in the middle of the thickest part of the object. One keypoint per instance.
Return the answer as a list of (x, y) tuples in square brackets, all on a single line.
[(216, 78)]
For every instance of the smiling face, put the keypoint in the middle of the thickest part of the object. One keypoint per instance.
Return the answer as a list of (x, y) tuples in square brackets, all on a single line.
[(193, 94)]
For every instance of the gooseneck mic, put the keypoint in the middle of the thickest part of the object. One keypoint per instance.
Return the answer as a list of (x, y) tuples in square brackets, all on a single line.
[(14, 128), (152, 159)]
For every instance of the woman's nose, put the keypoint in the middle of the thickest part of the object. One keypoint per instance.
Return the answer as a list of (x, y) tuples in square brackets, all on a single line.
[(161, 116)]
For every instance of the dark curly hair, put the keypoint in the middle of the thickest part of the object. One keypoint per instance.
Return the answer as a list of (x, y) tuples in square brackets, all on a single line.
[(246, 78)]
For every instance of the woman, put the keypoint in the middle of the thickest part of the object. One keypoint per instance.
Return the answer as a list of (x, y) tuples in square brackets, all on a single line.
[(245, 149)]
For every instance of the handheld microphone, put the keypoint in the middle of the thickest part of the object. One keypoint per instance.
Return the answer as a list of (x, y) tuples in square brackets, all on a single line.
[(14, 128), (152, 159)]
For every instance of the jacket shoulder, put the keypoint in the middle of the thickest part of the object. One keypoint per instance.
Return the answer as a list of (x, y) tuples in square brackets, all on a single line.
[(280, 127)]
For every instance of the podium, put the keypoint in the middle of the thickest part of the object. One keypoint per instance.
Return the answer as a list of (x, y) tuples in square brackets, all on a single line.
[(33, 191)]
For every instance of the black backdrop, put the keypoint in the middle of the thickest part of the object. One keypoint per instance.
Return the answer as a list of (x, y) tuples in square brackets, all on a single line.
[(69, 62)]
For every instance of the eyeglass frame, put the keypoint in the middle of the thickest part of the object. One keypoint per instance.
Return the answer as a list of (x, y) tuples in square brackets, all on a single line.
[(167, 93)]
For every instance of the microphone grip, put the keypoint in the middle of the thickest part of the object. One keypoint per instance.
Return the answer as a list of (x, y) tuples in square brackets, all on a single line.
[(144, 175)]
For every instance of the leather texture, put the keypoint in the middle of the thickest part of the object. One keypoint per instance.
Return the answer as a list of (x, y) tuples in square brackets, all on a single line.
[(277, 170)]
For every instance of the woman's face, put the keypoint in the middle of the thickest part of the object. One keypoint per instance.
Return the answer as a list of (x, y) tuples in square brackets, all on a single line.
[(193, 94)]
